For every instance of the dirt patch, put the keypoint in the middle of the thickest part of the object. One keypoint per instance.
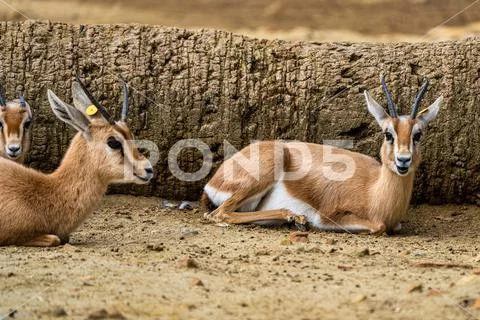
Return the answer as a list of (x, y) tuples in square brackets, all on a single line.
[(131, 260)]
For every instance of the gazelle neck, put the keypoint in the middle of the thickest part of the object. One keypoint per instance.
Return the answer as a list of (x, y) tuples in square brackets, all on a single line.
[(78, 183), (390, 196)]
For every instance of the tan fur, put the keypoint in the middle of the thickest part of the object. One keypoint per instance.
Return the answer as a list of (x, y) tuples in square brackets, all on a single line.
[(13, 118), (34, 204), (375, 197)]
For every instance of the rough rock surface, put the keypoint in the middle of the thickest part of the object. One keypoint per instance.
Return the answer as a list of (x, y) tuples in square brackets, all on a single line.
[(214, 85)]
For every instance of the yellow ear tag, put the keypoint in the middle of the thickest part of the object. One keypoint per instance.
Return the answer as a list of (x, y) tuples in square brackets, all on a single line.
[(91, 110)]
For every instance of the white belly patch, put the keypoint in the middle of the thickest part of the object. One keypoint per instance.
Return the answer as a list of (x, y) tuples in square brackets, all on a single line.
[(279, 198), (217, 197)]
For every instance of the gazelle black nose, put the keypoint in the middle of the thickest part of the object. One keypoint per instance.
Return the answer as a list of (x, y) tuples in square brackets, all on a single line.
[(149, 170), (404, 160), (14, 148)]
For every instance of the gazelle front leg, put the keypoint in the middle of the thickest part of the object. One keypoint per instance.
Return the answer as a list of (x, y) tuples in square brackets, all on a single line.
[(46, 240), (258, 216), (352, 223), (226, 213), (394, 230)]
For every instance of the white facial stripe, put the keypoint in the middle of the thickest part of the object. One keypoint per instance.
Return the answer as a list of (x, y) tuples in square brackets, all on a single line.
[(128, 156), (127, 150), (3, 130), (391, 129), (418, 127)]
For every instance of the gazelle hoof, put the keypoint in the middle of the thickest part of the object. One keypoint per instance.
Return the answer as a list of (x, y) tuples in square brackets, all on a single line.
[(394, 230), (46, 240), (380, 230), (301, 223), (216, 216), (209, 215)]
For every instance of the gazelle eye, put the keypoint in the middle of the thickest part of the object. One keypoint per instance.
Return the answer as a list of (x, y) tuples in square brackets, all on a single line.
[(417, 136), (388, 136), (1, 125), (27, 124), (114, 143)]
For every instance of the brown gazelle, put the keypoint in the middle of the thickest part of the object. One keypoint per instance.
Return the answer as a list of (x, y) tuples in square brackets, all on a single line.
[(330, 188), (39, 209), (15, 120)]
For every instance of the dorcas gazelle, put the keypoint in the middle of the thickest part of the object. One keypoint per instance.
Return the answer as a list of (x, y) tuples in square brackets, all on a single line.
[(15, 121), (331, 188), (39, 209)]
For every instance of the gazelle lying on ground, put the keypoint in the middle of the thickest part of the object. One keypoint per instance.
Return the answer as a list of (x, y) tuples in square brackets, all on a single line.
[(42, 210), (15, 120), (332, 188)]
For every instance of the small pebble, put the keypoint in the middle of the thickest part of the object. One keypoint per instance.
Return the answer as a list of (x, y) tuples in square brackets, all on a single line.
[(358, 298), (345, 268), (434, 292), (59, 312), (188, 263), (363, 253), (185, 205), (330, 241), (195, 282), (299, 237), (418, 253), (417, 287), (189, 233), (156, 247), (168, 204), (104, 314)]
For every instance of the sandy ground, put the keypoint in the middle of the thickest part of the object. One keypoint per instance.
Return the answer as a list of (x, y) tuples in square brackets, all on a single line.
[(128, 261)]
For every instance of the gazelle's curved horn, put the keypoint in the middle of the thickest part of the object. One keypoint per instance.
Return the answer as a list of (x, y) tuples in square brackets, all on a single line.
[(418, 100), (23, 104), (391, 106), (102, 109), (125, 101)]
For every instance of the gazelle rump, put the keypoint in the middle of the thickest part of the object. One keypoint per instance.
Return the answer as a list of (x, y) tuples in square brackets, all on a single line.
[(332, 188), (15, 121), (39, 209)]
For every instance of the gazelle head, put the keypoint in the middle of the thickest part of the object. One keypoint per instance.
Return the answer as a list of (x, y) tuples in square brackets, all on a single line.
[(400, 151), (109, 144), (15, 120)]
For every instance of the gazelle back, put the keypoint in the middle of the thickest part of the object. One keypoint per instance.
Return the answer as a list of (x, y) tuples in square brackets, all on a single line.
[(15, 121), (331, 188)]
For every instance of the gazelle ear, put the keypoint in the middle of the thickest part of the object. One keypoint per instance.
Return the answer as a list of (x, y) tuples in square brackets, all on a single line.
[(67, 113), (375, 109), (431, 112), (82, 102)]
